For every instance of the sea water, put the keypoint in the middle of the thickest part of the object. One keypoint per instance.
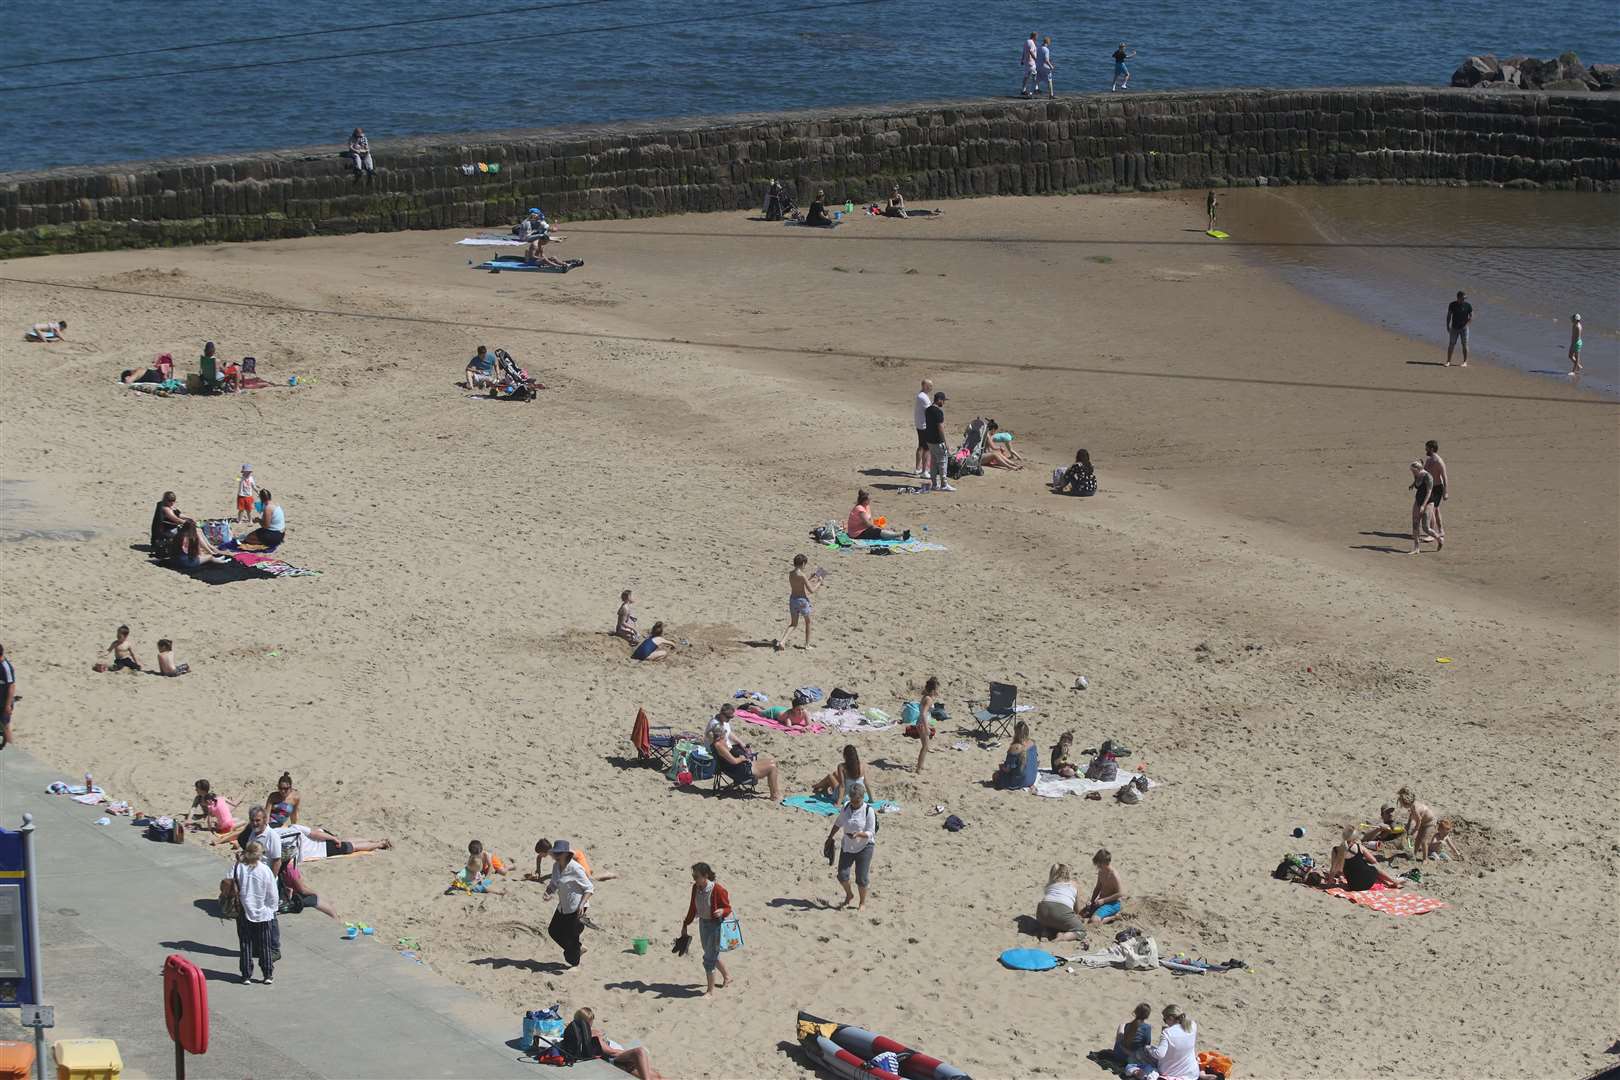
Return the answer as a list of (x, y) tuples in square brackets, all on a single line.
[(595, 61)]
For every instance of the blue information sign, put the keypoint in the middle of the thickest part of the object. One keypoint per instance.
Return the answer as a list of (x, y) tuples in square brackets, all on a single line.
[(19, 984)]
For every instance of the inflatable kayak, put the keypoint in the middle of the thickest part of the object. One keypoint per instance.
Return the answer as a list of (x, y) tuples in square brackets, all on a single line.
[(847, 1051)]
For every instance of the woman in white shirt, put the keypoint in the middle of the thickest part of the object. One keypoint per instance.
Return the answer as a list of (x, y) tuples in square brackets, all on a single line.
[(857, 821), (1060, 910), (258, 897), (1176, 1054)]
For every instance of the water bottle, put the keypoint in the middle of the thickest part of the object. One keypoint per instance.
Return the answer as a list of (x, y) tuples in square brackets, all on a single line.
[(89, 783)]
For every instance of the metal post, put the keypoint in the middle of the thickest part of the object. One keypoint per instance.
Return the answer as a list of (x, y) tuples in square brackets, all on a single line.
[(32, 916)]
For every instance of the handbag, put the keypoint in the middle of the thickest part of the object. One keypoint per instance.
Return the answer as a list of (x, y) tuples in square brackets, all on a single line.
[(731, 937)]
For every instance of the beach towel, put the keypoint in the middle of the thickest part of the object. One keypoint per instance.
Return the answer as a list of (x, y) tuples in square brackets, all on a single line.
[(896, 545), (824, 806), (777, 725), (262, 563), (1049, 785), (491, 241), (1398, 902), (848, 720)]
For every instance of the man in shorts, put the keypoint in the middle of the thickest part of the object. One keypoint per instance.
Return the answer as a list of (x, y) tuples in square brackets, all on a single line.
[(1459, 314), (800, 586), (919, 418)]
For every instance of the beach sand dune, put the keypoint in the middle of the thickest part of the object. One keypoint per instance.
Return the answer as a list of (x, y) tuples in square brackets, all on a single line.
[(717, 388)]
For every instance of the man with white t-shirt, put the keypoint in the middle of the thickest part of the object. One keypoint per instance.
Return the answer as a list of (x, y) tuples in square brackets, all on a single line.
[(919, 419)]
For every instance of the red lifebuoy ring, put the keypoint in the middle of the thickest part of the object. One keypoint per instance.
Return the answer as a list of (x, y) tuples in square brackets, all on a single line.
[(185, 1004)]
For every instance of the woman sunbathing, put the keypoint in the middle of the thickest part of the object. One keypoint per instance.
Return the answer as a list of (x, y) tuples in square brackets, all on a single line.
[(736, 760), (860, 525), (1000, 454), (1354, 868), (848, 774), (583, 1042)]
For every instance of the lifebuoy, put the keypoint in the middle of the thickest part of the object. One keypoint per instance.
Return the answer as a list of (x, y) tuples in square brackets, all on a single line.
[(185, 1004)]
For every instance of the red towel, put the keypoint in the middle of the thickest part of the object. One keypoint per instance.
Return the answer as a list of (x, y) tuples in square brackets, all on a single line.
[(639, 736), (1390, 901)]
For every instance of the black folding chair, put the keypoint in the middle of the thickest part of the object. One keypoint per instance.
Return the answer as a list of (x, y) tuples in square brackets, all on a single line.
[(996, 718), (726, 784)]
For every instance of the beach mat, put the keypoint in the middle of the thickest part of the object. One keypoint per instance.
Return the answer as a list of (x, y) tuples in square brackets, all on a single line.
[(1397, 902), (848, 720), (260, 563), (518, 266), (492, 241), (823, 806), (776, 725), (912, 545), (1049, 785)]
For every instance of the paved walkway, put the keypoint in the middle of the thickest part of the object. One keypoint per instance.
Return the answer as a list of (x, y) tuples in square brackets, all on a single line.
[(113, 905)]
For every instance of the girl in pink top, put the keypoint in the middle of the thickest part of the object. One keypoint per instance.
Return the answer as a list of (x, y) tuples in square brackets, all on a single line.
[(215, 810)]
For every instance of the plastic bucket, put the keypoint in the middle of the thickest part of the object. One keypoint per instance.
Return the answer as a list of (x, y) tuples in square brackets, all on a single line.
[(640, 945)]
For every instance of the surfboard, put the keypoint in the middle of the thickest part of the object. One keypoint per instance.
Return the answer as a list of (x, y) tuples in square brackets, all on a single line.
[(1217, 234)]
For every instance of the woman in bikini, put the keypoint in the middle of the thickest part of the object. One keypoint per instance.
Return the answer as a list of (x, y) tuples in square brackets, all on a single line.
[(282, 804), (847, 775), (999, 455), (925, 709)]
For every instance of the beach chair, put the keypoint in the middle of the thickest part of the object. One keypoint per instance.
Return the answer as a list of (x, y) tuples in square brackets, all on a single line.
[(655, 745), (996, 718), (726, 784)]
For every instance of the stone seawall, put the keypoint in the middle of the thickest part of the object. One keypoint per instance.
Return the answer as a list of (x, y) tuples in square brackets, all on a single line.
[(1100, 142)]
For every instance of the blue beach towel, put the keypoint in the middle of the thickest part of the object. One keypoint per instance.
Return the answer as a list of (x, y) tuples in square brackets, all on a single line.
[(821, 804)]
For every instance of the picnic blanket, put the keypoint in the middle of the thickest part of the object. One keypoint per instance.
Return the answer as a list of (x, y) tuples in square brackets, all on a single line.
[(264, 564), (822, 805), (1049, 785), (1398, 902), (848, 720), (777, 725)]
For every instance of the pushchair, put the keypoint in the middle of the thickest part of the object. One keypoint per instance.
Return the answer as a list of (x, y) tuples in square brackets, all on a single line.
[(779, 205), (965, 461), (511, 382)]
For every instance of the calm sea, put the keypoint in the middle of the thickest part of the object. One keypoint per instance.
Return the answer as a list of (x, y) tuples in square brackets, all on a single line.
[(584, 61)]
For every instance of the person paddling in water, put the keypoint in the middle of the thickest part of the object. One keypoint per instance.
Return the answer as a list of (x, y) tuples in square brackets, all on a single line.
[(1574, 343)]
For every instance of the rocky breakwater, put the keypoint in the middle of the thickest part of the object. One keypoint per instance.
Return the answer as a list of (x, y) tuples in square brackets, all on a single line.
[(1528, 73)]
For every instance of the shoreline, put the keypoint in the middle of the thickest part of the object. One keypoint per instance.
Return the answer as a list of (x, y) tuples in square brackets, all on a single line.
[(449, 675)]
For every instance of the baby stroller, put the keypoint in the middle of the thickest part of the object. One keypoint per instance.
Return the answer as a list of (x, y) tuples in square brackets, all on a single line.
[(512, 383), (779, 205), (965, 462)]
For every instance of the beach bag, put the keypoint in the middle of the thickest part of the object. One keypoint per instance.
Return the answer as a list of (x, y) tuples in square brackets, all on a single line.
[(843, 699), (1103, 767), (910, 713), (545, 1024), (1088, 484), (1140, 953), (809, 693), (731, 937), (1130, 794), (1057, 478), (701, 764)]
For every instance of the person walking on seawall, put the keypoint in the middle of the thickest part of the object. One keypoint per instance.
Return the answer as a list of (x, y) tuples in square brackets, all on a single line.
[(919, 419), (1044, 68), (710, 906), (1459, 316), (573, 888), (360, 154), (8, 697), (1122, 74), (1027, 62)]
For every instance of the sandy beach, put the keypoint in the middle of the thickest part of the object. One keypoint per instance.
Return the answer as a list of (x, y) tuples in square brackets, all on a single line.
[(1237, 596)]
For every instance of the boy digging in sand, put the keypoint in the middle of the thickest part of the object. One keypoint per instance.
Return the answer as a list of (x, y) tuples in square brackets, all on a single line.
[(800, 586)]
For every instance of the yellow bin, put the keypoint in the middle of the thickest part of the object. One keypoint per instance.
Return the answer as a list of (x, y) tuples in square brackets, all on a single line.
[(87, 1059)]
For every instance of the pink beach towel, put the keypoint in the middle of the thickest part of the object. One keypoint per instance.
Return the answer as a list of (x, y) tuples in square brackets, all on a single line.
[(1397, 902), (776, 725)]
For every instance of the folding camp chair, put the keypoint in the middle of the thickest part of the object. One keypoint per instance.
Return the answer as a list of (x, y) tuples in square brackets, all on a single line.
[(655, 744), (996, 717), (726, 784)]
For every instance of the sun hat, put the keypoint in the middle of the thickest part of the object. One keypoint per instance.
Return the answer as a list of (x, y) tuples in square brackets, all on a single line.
[(561, 848), (247, 468)]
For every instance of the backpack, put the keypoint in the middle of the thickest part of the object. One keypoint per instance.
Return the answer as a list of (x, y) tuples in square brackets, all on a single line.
[(1102, 767), (843, 699)]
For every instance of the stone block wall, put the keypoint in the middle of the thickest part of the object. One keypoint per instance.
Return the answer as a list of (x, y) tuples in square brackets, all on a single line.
[(1100, 142)]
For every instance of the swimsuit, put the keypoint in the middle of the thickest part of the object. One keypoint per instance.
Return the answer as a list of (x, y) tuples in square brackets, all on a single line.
[(280, 813), (645, 649), (799, 605)]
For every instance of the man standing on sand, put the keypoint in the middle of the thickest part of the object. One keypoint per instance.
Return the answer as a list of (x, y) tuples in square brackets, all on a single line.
[(938, 452), (1459, 314), (1031, 81), (573, 887), (800, 586), (1436, 468), (919, 418)]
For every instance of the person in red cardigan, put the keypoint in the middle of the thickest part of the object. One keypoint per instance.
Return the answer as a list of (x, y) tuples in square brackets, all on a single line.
[(710, 906)]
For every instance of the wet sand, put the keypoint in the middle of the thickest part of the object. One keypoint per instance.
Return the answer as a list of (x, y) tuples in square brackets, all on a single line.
[(1234, 595)]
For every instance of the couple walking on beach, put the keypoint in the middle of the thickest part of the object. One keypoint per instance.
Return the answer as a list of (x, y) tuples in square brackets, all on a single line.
[(1037, 65)]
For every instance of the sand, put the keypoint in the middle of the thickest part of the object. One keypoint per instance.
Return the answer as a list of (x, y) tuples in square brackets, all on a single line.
[(719, 386)]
